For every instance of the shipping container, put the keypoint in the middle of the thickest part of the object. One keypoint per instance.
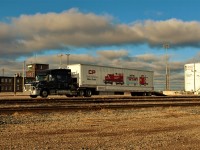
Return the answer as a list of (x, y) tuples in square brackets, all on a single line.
[(101, 79), (192, 77)]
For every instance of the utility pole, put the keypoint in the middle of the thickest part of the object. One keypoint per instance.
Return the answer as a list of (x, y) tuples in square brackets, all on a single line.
[(68, 59), (194, 78), (23, 78), (61, 55), (14, 84), (3, 70), (166, 46)]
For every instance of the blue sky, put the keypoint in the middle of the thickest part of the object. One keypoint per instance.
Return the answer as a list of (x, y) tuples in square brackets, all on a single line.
[(133, 29), (126, 10)]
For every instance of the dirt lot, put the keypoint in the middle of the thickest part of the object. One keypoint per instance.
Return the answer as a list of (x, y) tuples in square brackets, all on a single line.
[(152, 128)]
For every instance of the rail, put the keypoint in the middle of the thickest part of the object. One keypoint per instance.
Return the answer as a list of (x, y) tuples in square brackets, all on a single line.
[(57, 104)]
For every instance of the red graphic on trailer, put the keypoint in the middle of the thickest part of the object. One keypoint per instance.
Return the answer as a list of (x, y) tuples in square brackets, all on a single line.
[(117, 78), (132, 79), (143, 80)]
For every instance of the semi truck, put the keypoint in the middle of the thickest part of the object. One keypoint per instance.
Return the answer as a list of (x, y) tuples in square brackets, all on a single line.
[(87, 80)]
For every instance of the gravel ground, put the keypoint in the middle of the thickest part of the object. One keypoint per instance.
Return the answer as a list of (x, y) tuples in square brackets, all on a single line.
[(123, 129)]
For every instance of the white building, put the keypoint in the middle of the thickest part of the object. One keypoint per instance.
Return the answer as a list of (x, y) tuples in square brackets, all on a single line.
[(192, 77)]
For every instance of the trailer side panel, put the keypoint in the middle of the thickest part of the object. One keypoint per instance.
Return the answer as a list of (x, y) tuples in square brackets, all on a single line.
[(113, 79)]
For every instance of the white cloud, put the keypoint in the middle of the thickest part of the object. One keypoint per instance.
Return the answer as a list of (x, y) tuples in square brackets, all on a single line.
[(40, 32), (113, 54)]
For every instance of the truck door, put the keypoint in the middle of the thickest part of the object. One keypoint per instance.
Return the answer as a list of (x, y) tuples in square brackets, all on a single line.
[(52, 84), (62, 82)]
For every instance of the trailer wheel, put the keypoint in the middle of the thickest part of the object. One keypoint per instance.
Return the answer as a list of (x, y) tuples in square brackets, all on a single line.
[(33, 96), (88, 93), (149, 94), (81, 93), (44, 93), (133, 94)]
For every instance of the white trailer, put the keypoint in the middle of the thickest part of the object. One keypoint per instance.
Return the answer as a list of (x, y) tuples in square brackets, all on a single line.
[(192, 77), (93, 79)]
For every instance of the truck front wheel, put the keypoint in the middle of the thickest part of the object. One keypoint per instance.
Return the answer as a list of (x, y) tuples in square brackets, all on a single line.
[(44, 93)]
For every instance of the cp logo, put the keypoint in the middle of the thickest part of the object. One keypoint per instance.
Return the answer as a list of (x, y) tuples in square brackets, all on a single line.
[(91, 71)]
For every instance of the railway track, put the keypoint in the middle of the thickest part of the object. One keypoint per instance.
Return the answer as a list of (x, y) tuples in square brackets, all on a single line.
[(61, 103)]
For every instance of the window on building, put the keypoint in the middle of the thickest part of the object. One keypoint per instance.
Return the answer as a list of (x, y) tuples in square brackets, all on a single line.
[(10, 80), (6, 80), (30, 67), (2, 80)]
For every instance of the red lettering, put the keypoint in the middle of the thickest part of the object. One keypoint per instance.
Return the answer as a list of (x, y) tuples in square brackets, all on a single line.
[(91, 71)]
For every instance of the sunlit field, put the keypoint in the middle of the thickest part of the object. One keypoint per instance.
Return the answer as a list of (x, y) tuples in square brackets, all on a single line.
[(153, 128)]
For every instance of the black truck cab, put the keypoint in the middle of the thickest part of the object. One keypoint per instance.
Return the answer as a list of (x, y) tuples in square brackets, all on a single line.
[(53, 82)]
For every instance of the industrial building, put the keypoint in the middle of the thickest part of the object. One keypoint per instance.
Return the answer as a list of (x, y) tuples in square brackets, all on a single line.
[(11, 84), (15, 84), (32, 70)]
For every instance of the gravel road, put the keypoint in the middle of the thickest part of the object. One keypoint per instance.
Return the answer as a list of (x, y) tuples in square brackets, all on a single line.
[(123, 129)]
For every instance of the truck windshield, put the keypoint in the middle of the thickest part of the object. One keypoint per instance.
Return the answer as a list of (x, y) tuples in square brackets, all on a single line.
[(41, 78)]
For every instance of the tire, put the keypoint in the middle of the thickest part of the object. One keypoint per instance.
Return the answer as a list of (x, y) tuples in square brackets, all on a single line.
[(33, 96), (81, 93), (144, 94), (149, 94), (88, 93), (44, 93), (133, 94), (68, 95)]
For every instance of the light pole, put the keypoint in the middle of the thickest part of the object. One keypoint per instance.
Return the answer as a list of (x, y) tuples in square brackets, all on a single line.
[(166, 46), (60, 60), (23, 78), (3, 71), (14, 84), (68, 59), (194, 78)]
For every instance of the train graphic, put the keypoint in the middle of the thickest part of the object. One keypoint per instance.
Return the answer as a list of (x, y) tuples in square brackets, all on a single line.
[(118, 78), (132, 80), (143, 80)]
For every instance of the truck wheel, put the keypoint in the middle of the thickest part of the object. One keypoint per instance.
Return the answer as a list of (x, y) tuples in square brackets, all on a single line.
[(88, 93), (149, 94), (68, 95), (81, 93), (133, 94), (33, 96), (44, 93)]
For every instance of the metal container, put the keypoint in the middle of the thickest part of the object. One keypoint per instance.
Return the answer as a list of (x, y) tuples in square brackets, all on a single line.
[(192, 77), (104, 78)]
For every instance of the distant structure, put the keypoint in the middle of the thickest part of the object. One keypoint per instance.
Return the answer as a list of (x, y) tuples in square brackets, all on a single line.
[(32, 70), (16, 83), (11, 84), (192, 77)]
